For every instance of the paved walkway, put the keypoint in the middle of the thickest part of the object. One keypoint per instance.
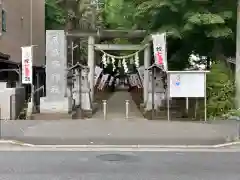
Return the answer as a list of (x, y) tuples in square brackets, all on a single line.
[(116, 107), (95, 131)]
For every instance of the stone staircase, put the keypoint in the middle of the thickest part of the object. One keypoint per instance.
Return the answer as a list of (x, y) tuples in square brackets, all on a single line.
[(161, 113), (176, 111), (51, 116), (76, 114)]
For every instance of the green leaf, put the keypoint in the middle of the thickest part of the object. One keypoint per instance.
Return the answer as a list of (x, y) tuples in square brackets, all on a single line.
[(226, 14), (155, 4), (205, 19), (224, 32), (188, 27)]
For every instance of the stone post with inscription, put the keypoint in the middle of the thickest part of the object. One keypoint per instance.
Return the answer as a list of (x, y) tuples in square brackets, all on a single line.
[(56, 65)]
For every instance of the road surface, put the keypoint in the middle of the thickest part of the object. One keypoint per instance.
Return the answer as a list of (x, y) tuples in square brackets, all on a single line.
[(119, 165)]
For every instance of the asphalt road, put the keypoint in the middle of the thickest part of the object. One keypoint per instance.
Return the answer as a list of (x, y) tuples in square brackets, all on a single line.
[(119, 165)]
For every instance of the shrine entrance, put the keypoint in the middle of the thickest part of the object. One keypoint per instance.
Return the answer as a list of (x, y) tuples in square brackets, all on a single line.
[(127, 80), (136, 89), (120, 76)]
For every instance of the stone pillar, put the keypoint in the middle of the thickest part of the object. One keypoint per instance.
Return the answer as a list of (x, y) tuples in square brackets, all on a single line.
[(78, 86), (147, 60), (55, 100), (85, 91), (70, 98), (91, 65)]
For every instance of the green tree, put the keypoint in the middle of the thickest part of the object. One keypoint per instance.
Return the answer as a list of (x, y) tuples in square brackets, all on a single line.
[(199, 26), (119, 14), (55, 16)]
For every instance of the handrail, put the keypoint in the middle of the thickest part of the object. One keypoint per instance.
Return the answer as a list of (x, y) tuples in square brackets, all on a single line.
[(40, 88), (29, 99)]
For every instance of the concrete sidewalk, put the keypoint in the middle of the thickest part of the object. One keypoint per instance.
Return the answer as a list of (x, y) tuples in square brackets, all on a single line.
[(99, 132)]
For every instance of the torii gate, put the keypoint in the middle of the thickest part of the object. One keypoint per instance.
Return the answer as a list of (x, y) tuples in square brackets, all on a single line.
[(109, 34)]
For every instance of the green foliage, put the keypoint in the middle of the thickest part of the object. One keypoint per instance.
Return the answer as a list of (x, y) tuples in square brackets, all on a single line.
[(119, 14), (186, 15), (220, 90), (55, 16), (233, 113), (197, 23)]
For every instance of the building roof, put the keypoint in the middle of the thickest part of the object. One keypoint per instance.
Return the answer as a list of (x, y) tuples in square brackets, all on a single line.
[(4, 56)]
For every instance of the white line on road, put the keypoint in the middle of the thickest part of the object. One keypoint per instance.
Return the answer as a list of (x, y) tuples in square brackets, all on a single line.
[(31, 147), (117, 149)]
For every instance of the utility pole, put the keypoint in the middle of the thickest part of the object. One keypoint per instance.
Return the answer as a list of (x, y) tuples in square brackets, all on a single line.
[(237, 73), (31, 44), (31, 22)]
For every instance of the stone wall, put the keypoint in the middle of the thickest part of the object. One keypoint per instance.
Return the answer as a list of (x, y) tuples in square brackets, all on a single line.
[(12, 101)]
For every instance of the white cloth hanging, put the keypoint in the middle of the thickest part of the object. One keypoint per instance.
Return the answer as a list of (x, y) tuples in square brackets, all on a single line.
[(117, 81), (130, 80), (98, 72), (111, 81), (103, 81), (139, 83)]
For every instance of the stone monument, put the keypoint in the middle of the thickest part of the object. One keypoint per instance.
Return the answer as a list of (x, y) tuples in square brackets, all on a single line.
[(56, 81)]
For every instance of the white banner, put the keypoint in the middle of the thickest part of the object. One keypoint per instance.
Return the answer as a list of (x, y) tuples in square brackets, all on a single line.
[(111, 81), (103, 81), (141, 72), (98, 72), (160, 52), (134, 80), (139, 84), (27, 58)]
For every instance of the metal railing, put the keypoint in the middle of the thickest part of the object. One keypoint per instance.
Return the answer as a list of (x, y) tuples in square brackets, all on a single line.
[(30, 110)]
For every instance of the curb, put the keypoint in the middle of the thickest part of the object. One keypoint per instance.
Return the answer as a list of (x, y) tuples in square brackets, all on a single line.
[(14, 142), (19, 143)]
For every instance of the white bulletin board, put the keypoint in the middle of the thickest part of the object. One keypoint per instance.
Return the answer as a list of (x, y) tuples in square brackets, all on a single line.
[(187, 83)]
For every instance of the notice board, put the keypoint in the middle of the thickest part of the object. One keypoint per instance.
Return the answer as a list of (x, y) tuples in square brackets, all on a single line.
[(187, 83)]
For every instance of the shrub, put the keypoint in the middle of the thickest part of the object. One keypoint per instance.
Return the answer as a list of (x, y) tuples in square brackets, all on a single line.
[(220, 90)]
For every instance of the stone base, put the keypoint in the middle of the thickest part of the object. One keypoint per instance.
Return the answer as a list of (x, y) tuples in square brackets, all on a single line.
[(51, 116), (158, 98), (84, 113), (86, 101), (53, 107)]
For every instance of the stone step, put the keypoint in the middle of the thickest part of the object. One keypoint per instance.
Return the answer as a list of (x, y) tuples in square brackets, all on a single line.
[(163, 114), (51, 116)]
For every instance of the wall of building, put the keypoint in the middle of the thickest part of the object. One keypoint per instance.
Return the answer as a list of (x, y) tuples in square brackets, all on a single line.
[(39, 31), (18, 23)]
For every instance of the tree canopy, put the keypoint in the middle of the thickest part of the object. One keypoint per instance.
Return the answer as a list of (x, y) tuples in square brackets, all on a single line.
[(55, 15)]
